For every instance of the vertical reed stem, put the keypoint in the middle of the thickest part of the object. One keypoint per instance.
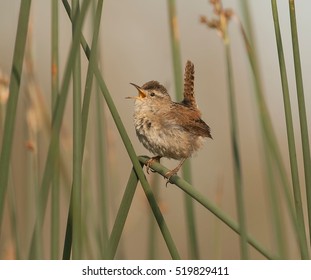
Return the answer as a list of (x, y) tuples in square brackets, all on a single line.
[(55, 180), (186, 168), (302, 109), (290, 135), (175, 45), (16, 73), (77, 148), (236, 155)]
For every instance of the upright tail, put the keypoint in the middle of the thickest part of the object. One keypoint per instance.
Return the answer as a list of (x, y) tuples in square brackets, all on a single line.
[(189, 99)]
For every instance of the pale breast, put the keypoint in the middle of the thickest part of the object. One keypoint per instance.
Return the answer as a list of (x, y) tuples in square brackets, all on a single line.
[(167, 141)]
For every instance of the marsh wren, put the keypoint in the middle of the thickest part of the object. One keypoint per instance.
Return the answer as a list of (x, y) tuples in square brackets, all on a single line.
[(166, 128)]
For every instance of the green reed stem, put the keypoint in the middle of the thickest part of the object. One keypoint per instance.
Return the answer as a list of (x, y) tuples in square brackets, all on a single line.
[(302, 109), (152, 239), (77, 148), (68, 233), (12, 210), (290, 134), (186, 168), (55, 215), (12, 206), (34, 166), (15, 79), (236, 154), (275, 209), (101, 166), (123, 211), (196, 195), (175, 45), (58, 117), (152, 233), (190, 216), (90, 74), (247, 18)]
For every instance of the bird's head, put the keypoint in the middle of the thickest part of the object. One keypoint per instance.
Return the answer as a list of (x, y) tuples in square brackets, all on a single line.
[(151, 92)]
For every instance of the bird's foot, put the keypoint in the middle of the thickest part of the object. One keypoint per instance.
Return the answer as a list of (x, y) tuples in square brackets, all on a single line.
[(173, 172), (150, 161)]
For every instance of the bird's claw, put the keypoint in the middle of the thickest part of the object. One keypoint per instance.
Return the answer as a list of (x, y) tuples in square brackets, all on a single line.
[(150, 161), (168, 176)]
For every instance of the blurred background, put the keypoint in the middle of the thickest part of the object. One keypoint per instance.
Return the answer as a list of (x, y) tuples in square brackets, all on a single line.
[(135, 47)]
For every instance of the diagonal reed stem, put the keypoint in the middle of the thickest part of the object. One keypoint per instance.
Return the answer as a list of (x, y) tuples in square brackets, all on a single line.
[(196, 195), (130, 150), (122, 214), (145, 185)]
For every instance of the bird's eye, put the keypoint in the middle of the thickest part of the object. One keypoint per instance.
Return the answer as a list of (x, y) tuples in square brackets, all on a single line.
[(152, 94)]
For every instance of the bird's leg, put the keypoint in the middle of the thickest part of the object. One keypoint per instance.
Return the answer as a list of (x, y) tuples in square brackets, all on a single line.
[(169, 174), (150, 161)]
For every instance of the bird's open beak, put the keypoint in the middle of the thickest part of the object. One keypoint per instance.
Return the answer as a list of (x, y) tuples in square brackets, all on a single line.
[(141, 93)]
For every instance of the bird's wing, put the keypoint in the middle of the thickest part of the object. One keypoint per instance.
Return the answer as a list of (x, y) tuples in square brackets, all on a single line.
[(186, 119)]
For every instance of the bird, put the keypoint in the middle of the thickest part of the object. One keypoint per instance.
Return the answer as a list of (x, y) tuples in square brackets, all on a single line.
[(169, 129)]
